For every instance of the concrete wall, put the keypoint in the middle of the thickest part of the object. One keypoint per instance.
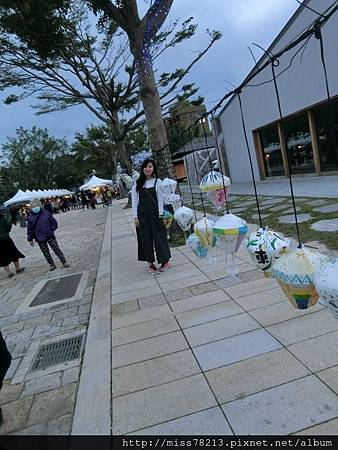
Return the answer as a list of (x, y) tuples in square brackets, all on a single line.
[(301, 86)]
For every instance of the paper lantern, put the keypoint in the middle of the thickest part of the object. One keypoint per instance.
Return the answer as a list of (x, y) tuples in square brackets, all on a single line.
[(169, 186), (214, 181), (168, 218), (264, 247), (184, 217), (171, 199), (194, 243), (218, 197), (326, 284), (230, 230), (294, 272), (204, 232), (135, 176)]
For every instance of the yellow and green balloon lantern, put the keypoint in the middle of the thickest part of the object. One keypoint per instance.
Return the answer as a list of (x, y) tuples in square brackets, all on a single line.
[(294, 272)]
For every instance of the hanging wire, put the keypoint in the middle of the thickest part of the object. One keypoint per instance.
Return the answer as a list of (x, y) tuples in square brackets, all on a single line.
[(319, 36), (220, 163), (189, 182), (250, 159), (195, 165), (273, 64)]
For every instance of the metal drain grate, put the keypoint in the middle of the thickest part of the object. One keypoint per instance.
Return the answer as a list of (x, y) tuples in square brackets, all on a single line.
[(58, 352)]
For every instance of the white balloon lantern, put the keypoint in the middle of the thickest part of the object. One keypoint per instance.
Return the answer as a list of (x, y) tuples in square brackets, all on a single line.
[(216, 186), (135, 176), (169, 188), (230, 231), (264, 247), (294, 272), (326, 284), (184, 217), (196, 246), (204, 231)]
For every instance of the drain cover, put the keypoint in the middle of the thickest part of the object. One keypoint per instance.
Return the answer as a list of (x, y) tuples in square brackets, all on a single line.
[(57, 289), (58, 352)]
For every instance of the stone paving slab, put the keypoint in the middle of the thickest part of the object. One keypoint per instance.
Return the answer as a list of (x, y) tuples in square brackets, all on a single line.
[(303, 328), (204, 423), (317, 353), (268, 412), (139, 376), (148, 349), (254, 375), (144, 330), (236, 348), (220, 329), (161, 403), (199, 301)]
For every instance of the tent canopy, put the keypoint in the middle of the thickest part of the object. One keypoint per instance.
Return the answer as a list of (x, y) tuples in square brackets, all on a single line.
[(95, 182), (19, 197)]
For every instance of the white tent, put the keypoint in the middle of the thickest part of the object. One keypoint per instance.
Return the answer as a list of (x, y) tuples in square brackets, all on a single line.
[(95, 182), (19, 198)]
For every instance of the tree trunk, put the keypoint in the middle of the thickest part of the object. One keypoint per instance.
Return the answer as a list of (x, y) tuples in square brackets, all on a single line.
[(119, 142), (152, 108)]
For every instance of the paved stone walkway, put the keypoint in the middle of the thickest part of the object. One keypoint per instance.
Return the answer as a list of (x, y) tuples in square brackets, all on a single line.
[(42, 402), (195, 352)]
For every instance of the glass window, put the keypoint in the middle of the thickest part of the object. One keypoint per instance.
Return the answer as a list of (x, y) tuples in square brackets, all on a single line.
[(327, 135), (299, 145), (272, 153)]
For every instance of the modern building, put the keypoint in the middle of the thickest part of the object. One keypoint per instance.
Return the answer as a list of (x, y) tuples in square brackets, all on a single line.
[(307, 136)]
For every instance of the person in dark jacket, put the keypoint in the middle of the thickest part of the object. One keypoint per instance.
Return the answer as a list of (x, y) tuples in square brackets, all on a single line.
[(5, 362), (8, 251), (41, 227)]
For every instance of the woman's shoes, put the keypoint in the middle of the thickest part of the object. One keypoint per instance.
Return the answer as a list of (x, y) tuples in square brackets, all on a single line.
[(20, 270), (164, 267), (10, 275), (53, 267), (152, 269)]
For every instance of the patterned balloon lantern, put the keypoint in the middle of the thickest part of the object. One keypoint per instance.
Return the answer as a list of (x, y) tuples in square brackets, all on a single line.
[(214, 181), (194, 243), (135, 176), (184, 217), (169, 188), (265, 246), (204, 232), (326, 284), (168, 218), (294, 272), (218, 197), (230, 230)]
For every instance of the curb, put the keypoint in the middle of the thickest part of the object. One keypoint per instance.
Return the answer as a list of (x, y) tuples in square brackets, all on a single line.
[(92, 415)]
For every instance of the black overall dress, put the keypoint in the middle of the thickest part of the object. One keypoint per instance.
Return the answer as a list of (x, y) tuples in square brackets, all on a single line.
[(152, 229)]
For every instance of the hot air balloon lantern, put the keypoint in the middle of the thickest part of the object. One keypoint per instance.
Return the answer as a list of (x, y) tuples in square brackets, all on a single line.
[(216, 186), (326, 284), (196, 246), (168, 220), (184, 217), (294, 272), (204, 231), (265, 246), (169, 188), (230, 231)]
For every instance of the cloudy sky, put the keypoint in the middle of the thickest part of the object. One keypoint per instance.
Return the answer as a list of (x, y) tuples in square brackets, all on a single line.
[(241, 23)]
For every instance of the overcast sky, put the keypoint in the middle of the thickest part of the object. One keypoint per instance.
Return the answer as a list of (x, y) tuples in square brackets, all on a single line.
[(241, 23)]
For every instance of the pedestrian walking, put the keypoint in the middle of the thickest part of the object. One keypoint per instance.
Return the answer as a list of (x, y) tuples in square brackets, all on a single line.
[(147, 204), (41, 228), (5, 362), (8, 251)]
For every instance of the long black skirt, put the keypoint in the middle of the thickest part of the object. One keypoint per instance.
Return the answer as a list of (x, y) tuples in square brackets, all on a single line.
[(8, 252)]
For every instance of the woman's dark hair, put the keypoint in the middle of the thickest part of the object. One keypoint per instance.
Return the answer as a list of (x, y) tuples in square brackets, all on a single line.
[(142, 178)]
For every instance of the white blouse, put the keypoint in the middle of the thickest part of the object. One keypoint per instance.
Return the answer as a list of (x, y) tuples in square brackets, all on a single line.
[(148, 184)]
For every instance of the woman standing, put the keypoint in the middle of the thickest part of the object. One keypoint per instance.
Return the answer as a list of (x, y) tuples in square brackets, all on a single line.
[(8, 252), (41, 227), (5, 362), (147, 203)]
